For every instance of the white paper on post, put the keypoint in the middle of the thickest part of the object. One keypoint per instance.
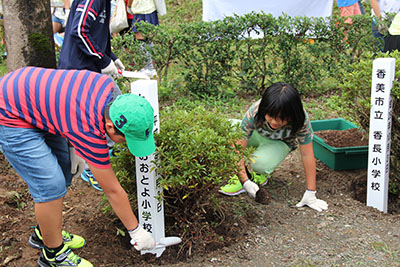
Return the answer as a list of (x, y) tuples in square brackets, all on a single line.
[(383, 71), (150, 210)]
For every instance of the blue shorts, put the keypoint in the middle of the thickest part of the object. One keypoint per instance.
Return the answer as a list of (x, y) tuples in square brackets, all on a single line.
[(150, 18), (40, 158), (57, 20)]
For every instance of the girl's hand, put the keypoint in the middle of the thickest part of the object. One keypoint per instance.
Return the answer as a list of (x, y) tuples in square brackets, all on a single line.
[(251, 188), (309, 199)]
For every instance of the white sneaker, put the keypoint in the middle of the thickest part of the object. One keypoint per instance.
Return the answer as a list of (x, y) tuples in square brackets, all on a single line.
[(58, 39)]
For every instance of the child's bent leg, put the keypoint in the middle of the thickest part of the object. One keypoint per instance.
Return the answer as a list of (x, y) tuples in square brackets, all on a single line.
[(269, 154)]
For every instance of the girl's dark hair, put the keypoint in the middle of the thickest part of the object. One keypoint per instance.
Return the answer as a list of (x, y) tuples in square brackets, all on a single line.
[(281, 100), (107, 116)]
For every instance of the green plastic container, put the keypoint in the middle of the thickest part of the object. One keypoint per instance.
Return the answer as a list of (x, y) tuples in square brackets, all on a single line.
[(338, 158)]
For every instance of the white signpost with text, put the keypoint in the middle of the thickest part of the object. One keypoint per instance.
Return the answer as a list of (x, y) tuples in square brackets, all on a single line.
[(383, 71), (150, 209)]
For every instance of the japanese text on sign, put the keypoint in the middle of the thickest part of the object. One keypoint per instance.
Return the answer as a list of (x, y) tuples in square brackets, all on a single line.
[(379, 133)]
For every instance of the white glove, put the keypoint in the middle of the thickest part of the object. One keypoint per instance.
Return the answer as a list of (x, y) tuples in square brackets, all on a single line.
[(129, 10), (141, 239), (111, 69), (65, 18), (251, 188), (119, 64), (77, 163), (312, 201)]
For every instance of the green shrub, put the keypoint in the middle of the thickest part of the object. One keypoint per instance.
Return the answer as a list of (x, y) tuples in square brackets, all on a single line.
[(197, 156), (214, 58), (195, 147)]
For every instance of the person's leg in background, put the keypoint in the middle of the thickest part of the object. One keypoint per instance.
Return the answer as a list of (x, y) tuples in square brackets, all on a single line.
[(153, 19), (361, 7), (379, 38), (58, 30), (348, 11)]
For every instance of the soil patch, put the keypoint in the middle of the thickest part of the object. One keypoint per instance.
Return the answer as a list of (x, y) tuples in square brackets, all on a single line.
[(343, 138), (262, 196), (348, 234)]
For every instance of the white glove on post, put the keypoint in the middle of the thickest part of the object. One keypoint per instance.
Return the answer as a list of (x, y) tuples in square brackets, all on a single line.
[(66, 14), (129, 10), (77, 163), (251, 188), (111, 69), (141, 239), (119, 64), (312, 201)]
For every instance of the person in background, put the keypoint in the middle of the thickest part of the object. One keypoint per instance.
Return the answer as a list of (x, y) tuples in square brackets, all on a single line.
[(379, 9), (143, 10), (130, 20), (275, 125), (87, 42), (59, 19), (87, 45), (50, 122), (361, 7), (348, 8), (392, 39), (128, 15), (113, 6)]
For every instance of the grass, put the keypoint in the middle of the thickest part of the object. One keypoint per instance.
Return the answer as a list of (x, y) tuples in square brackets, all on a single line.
[(179, 11), (392, 255)]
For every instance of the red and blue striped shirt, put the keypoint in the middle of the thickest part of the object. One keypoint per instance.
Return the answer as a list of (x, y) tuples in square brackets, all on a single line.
[(69, 103)]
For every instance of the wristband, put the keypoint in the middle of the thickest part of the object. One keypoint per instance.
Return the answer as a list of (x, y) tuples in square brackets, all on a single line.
[(134, 229)]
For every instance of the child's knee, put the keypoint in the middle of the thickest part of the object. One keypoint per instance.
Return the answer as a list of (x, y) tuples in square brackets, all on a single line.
[(262, 167)]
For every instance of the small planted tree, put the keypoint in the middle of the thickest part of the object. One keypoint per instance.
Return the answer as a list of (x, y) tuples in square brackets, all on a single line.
[(197, 155)]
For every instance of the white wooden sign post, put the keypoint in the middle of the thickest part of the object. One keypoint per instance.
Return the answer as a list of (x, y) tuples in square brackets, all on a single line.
[(150, 209), (383, 71)]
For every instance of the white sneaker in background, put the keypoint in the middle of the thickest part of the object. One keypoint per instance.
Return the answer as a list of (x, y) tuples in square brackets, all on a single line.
[(58, 39)]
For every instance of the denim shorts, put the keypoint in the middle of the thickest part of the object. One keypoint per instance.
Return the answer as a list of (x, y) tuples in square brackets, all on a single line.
[(57, 20), (40, 158)]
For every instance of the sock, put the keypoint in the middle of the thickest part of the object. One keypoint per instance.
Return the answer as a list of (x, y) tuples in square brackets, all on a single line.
[(52, 252), (37, 235)]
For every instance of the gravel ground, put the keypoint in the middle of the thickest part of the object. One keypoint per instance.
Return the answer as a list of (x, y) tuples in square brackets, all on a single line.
[(348, 234)]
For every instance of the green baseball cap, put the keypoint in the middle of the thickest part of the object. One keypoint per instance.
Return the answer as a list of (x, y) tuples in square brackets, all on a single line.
[(134, 117)]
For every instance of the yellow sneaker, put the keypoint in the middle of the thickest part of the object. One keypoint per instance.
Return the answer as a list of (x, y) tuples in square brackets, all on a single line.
[(233, 188), (260, 179), (64, 258), (72, 241)]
